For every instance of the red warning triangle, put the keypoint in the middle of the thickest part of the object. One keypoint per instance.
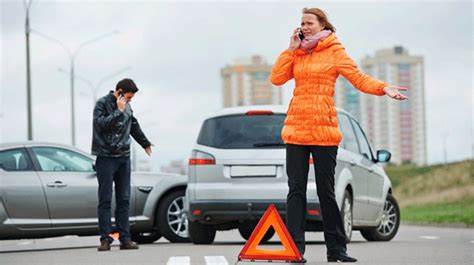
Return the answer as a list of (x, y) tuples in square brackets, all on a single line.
[(271, 218)]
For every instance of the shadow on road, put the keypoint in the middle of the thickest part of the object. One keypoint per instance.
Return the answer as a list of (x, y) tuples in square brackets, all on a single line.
[(45, 249), (219, 243)]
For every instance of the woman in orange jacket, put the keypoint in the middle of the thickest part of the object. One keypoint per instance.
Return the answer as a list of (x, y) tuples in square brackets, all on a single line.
[(315, 62)]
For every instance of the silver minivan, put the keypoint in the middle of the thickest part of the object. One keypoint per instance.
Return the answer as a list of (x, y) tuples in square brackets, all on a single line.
[(237, 168)]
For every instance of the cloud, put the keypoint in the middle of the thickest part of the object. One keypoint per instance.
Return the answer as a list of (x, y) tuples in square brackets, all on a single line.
[(177, 49)]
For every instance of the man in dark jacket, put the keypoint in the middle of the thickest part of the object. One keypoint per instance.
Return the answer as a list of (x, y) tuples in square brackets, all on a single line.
[(113, 124)]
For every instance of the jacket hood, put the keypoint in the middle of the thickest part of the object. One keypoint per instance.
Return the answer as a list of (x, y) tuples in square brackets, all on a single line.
[(323, 44)]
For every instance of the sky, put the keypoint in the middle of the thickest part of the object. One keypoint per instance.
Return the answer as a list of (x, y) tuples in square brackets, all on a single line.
[(174, 51)]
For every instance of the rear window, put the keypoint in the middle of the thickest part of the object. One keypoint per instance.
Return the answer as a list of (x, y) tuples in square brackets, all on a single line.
[(243, 132)]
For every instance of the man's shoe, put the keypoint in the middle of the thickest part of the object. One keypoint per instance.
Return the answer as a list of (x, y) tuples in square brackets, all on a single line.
[(128, 244), (342, 257), (303, 260), (104, 245)]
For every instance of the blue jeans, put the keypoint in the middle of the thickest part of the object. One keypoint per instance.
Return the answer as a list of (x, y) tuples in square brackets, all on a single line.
[(109, 170)]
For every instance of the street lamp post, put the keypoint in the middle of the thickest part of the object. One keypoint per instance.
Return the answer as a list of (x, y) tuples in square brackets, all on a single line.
[(106, 78), (95, 88), (72, 57), (28, 73)]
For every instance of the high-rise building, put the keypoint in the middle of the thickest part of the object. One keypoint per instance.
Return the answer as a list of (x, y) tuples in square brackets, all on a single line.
[(398, 126), (347, 97), (247, 83)]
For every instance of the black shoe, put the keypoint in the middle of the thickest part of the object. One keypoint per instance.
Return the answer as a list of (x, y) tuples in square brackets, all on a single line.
[(303, 260), (128, 244), (104, 245), (342, 257)]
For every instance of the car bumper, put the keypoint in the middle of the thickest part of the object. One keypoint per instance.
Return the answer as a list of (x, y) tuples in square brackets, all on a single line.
[(227, 211)]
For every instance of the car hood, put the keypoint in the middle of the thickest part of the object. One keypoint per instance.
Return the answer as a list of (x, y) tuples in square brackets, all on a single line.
[(153, 178)]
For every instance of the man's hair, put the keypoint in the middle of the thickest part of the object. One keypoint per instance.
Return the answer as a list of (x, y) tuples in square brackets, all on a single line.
[(127, 85)]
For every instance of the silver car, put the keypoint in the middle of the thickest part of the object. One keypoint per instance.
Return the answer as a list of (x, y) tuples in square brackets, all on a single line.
[(51, 190), (237, 168)]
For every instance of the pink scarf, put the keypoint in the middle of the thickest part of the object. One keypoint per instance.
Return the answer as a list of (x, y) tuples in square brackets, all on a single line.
[(308, 43)]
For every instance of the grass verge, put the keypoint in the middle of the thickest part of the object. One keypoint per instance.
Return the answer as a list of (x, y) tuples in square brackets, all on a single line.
[(441, 213)]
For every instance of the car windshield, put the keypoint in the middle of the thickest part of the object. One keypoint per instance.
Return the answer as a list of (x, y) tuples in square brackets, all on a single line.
[(243, 132)]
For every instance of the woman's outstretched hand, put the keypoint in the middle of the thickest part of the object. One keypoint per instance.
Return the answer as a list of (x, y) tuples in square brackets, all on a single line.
[(394, 92), (295, 41)]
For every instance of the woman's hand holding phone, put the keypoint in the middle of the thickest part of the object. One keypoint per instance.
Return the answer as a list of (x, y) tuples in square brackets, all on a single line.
[(295, 40)]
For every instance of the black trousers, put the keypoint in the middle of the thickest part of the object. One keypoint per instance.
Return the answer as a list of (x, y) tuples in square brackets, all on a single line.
[(297, 167), (113, 170)]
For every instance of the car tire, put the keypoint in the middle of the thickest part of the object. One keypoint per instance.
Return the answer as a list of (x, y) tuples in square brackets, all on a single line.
[(388, 227), (145, 238), (171, 217), (346, 215), (246, 229), (200, 233)]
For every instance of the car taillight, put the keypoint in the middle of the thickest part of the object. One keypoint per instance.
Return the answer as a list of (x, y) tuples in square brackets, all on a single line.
[(259, 112), (311, 161), (201, 158), (194, 161)]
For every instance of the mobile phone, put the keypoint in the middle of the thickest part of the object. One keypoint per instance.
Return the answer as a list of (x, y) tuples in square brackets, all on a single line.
[(300, 34), (121, 94)]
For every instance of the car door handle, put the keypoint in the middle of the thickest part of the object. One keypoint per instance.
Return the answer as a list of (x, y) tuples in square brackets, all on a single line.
[(56, 184), (370, 170), (352, 162)]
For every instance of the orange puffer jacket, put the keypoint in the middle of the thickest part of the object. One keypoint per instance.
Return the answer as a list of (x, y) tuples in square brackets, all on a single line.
[(311, 117)]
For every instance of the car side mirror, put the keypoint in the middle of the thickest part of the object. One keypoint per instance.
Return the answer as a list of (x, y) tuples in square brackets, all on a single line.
[(383, 156)]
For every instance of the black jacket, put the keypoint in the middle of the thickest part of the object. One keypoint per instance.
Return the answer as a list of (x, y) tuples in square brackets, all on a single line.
[(112, 129)]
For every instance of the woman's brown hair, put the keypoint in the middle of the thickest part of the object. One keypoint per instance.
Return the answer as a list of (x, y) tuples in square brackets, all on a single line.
[(321, 16)]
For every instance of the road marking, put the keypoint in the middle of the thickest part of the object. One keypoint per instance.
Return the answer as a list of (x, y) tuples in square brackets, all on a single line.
[(179, 261), (25, 243), (216, 260), (429, 237)]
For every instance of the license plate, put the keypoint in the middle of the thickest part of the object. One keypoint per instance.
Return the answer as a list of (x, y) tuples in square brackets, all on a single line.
[(252, 171)]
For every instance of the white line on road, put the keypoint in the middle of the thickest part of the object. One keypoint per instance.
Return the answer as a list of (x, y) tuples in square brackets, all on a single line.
[(429, 237), (179, 261), (25, 243), (216, 260)]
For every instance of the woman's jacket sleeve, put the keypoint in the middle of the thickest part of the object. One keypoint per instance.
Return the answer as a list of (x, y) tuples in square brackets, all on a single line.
[(282, 70), (348, 68)]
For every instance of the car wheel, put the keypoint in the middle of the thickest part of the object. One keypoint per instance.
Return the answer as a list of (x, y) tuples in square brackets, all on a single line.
[(145, 238), (247, 228), (200, 233), (346, 215), (172, 220), (389, 224)]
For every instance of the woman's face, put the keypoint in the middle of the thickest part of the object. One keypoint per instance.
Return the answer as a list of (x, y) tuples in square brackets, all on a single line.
[(310, 25)]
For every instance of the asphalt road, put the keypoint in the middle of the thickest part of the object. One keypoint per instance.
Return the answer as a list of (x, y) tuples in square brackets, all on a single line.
[(412, 245)]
